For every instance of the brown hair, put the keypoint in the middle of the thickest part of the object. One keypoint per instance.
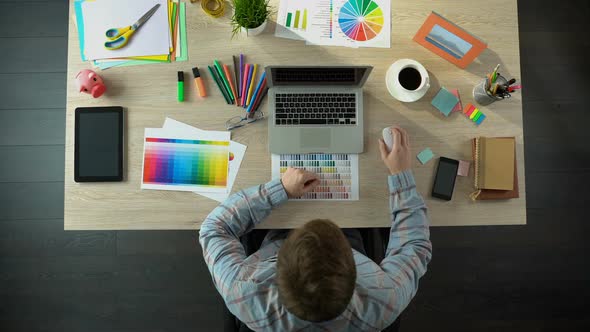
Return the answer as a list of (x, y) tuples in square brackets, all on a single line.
[(316, 273)]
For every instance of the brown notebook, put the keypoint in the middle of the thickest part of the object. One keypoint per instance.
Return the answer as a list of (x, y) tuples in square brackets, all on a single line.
[(488, 194)]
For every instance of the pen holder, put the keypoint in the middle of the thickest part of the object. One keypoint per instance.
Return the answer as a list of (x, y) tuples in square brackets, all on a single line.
[(482, 96)]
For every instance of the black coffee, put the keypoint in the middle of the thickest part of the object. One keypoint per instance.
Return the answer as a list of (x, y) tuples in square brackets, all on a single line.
[(410, 78)]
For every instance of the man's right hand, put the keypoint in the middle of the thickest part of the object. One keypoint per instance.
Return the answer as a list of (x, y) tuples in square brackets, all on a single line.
[(399, 158), (298, 182)]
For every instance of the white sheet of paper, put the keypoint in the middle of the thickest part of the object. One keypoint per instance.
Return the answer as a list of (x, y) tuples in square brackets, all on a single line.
[(238, 150), (339, 174), (152, 38), (206, 135), (323, 26)]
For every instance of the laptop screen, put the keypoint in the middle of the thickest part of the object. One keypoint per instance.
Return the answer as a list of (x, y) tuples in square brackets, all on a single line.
[(349, 76)]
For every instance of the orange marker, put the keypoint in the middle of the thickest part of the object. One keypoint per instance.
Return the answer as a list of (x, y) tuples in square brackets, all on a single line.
[(231, 82), (199, 83)]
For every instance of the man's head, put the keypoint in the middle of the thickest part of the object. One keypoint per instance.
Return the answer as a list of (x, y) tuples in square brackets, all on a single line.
[(316, 271)]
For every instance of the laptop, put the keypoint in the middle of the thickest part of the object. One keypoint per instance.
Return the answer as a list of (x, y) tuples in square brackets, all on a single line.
[(316, 108)]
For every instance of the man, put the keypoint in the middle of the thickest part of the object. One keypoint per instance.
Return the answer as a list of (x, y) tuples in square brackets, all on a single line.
[(312, 280)]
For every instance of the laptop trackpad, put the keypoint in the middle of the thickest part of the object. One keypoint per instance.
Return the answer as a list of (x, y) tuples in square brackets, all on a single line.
[(315, 137)]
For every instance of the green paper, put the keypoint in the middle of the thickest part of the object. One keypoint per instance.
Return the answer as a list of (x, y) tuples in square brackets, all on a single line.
[(182, 30)]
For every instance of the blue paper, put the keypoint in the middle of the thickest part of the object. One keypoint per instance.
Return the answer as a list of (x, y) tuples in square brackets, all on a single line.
[(80, 26), (425, 156), (445, 101)]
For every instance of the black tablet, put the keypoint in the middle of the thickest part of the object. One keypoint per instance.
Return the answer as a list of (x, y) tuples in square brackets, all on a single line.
[(98, 145)]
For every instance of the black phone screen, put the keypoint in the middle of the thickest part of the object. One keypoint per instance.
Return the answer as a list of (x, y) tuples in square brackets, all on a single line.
[(444, 182), (98, 144)]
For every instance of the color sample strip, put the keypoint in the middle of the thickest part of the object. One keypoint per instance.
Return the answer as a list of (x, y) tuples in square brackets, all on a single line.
[(304, 23), (288, 24), (186, 162), (296, 24)]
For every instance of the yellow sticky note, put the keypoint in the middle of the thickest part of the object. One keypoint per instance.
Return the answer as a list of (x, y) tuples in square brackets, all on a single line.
[(474, 113)]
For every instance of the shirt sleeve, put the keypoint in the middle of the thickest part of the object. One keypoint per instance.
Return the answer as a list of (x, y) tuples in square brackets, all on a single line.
[(409, 249), (220, 232)]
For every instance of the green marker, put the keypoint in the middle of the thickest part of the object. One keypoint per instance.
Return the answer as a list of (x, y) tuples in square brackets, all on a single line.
[(180, 86), (225, 81), (219, 84)]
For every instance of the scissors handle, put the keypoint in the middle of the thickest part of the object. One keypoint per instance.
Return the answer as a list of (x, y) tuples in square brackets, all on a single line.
[(119, 40), (115, 33)]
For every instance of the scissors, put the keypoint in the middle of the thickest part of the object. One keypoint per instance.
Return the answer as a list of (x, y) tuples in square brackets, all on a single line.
[(119, 37)]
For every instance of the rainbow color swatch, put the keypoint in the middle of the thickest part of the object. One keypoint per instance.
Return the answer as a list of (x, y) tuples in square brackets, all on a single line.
[(184, 162), (361, 20)]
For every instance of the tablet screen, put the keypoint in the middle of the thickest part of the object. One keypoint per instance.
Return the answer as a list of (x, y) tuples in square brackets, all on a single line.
[(99, 144)]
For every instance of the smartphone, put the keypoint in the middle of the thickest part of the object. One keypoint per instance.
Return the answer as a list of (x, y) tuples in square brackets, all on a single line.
[(444, 181), (98, 144)]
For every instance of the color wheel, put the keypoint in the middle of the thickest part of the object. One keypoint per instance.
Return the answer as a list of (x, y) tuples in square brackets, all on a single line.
[(361, 20)]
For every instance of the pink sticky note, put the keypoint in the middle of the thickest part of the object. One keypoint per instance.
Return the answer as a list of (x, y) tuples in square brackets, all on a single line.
[(463, 169), (459, 106)]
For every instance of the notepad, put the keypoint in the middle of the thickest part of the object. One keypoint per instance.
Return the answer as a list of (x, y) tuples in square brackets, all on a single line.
[(494, 163), (445, 101)]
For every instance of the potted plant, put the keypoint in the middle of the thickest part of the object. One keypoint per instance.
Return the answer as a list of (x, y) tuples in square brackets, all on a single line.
[(250, 15)]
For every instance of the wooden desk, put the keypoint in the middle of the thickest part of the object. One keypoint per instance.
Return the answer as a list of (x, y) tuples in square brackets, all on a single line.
[(149, 95)]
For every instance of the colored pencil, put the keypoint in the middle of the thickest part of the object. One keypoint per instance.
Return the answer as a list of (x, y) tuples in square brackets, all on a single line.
[(248, 80), (251, 88), (495, 74), (231, 82), (242, 64), (261, 81), (236, 77), (243, 83), (258, 102), (224, 79), (216, 79)]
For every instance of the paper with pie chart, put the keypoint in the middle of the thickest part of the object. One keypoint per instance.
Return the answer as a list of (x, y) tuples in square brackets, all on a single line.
[(351, 23), (361, 20)]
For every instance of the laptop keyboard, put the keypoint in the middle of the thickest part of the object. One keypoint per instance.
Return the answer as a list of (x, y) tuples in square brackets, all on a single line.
[(293, 109)]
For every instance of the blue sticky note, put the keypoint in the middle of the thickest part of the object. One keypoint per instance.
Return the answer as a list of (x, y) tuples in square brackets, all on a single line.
[(445, 101), (425, 156), (480, 120)]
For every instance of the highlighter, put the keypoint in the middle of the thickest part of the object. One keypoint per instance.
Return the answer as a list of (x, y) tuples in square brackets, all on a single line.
[(199, 83), (180, 86)]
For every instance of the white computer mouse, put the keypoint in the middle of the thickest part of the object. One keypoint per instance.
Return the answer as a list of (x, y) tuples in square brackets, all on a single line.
[(388, 138)]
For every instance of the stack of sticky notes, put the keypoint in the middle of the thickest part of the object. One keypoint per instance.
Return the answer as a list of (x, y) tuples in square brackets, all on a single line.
[(445, 101), (459, 106), (162, 38), (474, 114), (425, 155)]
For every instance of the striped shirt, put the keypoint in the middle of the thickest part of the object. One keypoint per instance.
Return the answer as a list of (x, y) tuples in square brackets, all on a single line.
[(248, 284)]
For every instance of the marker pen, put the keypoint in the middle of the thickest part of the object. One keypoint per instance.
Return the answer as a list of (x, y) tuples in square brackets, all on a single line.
[(180, 86), (199, 83)]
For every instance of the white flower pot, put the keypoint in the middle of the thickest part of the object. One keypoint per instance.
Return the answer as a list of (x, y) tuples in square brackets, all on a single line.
[(255, 31)]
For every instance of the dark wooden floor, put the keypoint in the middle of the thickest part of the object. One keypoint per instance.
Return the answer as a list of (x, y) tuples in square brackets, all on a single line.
[(515, 278)]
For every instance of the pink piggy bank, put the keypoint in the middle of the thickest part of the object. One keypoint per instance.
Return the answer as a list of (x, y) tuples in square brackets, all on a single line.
[(88, 81)]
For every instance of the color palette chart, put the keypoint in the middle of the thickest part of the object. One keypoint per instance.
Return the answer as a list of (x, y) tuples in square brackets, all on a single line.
[(338, 173), (361, 20), (185, 164)]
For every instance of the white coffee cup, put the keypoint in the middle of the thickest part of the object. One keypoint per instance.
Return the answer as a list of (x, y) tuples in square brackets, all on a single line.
[(395, 87)]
